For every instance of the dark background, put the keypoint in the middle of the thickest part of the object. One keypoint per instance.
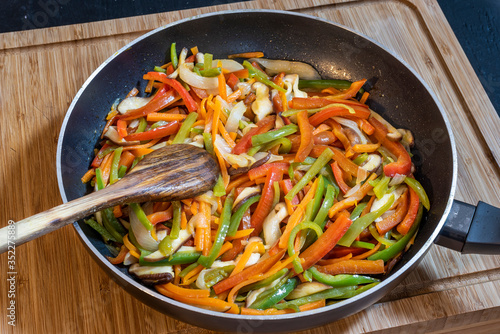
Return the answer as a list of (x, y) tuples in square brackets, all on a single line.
[(475, 23)]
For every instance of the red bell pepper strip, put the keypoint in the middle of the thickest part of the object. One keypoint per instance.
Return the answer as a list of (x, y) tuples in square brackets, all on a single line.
[(306, 137), (409, 219), (99, 156), (176, 85), (264, 169), (264, 206), (325, 242), (161, 100), (158, 132), (245, 142), (121, 127), (325, 114), (337, 172), (232, 80), (286, 186), (403, 165)]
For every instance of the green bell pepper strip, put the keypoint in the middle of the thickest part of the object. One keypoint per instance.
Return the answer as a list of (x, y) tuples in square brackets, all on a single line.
[(176, 258), (136, 161), (307, 275), (142, 125), (107, 223), (291, 241), (362, 244), (357, 211), (254, 149), (142, 216), (113, 175), (379, 238), (318, 197), (216, 275), (207, 140), (398, 247), (361, 223), (359, 290), (274, 295), (158, 124), (101, 230), (333, 293), (165, 246), (183, 132), (122, 171), (360, 158), (224, 222), (308, 212), (207, 60), (320, 219), (210, 72), (277, 194), (159, 69), (106, 151), (238, 215), (322, 160), (285, 146), (264, 282), (422, 195), (98, 178), (322, 84), (270, 136), (380, 189), (110, 217), (219, 189), (260, 76), (173, 56), (196, 131), (340, 280), (186, 270)]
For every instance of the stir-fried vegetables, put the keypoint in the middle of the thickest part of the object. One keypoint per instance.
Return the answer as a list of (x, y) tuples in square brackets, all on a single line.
[(316, 193)]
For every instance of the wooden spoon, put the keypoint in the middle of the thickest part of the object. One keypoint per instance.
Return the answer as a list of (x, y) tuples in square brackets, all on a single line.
[(171, 173)]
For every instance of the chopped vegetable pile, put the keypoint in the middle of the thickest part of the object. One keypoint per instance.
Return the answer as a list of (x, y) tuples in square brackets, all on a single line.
[(315, 203)]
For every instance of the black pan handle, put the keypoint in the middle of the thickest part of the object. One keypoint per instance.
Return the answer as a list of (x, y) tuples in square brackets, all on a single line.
[(471, 229)]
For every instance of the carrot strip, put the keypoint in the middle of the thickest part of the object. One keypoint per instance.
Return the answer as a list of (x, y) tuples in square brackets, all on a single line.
[(120, 257), (354, 267), (136, 147), (342, 205), (126, 159), (256, 54), (237, 182), (139, 152), (88, 175), (106, 167), (156, 116), (364, 97), (216, 120), (306, 142), (177, 271), (133, 250), (223, 167), (186, 280), (366, 254), (388, 223), (189, 293), (222, 86), (240, 234), (226, 135), (331, 261), (249, 249), (212, 303), (117, 211)]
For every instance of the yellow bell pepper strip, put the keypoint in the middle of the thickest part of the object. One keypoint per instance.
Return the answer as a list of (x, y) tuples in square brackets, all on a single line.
[(325, 242), (403, 165), (291, 241), (176, 85), (341, 279), (224, 222), (158, 132), (361, 223), (264, 206), (321, 162), (185, 128), (417, 187), (262, 126), (260, 76), (400, 245)]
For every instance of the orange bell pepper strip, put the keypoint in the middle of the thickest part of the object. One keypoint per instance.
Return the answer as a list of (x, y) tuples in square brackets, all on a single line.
[(162, 99), (327, 113), (158, 132), (176, 85), (351, 91), (245, 142), (306, 138), (325, 242), (121, 127), (259, 267), (354, 267), (263, 170), (403, 165), (161, 216), (337, 172), (409, 219), (120, 257), (126, 159), (265, 203)]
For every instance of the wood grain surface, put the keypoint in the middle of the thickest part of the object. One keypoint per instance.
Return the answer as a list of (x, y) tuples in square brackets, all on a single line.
[(59, 288)]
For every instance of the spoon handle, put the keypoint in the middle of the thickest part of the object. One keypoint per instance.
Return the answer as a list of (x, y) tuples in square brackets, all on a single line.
[(45, 222)]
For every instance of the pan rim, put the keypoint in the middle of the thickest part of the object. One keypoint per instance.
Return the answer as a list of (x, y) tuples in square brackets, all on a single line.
[(405, 269)]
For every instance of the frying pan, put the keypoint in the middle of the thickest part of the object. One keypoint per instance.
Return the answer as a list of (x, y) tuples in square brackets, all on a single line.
[(397, 93)]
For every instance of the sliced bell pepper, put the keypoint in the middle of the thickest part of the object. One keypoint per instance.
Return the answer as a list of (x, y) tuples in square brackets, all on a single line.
[(176, 85), (337, 172), (245, 142), (353, 267), (162, 99), (403, 165), (306, 136), (411, 216), (340, 280), (158, 132), (277, 293), (327, 113), (264, 169)]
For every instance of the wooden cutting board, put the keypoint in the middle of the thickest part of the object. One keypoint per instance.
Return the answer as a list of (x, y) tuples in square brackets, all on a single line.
[(59, 289)]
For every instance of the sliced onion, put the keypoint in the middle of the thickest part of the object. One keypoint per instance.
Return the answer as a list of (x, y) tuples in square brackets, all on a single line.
[(142, 235), (192, 78), (113, 135), (397, 179), (133, 102), (305, 71), (240, 160), (271, 226), (229, 64), (235, 116), (353, 126)]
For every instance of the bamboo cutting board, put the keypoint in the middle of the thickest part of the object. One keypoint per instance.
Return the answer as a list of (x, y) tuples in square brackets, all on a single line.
[(59, 289)]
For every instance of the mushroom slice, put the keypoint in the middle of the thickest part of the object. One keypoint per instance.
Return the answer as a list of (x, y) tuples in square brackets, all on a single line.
[(150, 275), (372, 162)]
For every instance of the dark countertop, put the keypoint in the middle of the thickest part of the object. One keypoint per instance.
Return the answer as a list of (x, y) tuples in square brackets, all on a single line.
[(475, 23)]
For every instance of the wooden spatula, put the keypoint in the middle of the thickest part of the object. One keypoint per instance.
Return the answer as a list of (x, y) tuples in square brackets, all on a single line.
[(171, 173)]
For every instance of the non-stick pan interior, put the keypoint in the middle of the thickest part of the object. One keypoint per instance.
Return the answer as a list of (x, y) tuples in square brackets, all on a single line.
[(334, 51)]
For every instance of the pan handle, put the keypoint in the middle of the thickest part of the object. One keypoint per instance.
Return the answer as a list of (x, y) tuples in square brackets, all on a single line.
[(471, 229)]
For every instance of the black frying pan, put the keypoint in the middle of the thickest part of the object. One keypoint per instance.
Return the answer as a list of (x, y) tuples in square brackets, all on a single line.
[(336, 52)]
